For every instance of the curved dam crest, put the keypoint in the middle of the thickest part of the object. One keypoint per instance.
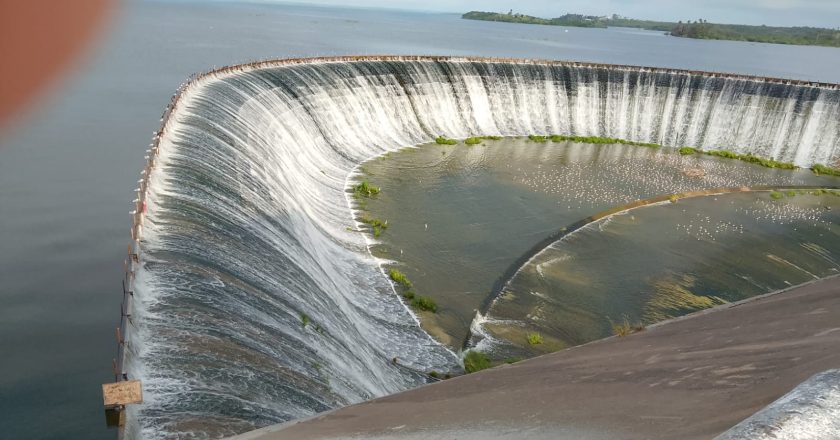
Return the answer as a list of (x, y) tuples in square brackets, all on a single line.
[(255, 301)]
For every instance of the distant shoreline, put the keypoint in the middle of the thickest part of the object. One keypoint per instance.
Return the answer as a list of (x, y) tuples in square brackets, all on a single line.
[(699, 29)]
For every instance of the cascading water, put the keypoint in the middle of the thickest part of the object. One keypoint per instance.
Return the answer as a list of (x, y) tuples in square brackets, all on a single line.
[(256, 302)]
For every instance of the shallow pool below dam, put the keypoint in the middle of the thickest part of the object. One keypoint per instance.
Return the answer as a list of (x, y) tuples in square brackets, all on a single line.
[(459, 216)]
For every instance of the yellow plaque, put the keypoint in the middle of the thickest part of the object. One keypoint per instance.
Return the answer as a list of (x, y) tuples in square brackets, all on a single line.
[(122, 393)]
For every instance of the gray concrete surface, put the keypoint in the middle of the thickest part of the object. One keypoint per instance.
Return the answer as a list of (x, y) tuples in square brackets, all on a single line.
[(690, 378)]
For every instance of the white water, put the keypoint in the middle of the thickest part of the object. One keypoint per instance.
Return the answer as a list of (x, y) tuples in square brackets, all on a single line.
[(248, 214), (811, 411)]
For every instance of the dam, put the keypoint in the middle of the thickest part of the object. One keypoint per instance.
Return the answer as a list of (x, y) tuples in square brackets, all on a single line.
[(255, 302)]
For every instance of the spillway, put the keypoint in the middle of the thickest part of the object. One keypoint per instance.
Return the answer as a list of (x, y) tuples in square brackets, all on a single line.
[(255, 301)]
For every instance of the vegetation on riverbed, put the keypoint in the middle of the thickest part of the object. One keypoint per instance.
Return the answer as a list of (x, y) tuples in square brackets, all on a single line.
[(625, 328), (399, 278), (685, 151), (424, 303), (476, 361), (440, 140), (376, 224), (778, 194), (535, 339), (418, 302), (474, 140), (699, 29), (823, 170), (600, 140), (750, 158), (365, 189)]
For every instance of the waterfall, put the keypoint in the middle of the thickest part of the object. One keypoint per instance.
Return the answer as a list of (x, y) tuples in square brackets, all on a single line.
[(256, 301)]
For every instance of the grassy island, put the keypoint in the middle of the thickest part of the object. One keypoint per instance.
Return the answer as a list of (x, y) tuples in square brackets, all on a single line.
[(699, 29)]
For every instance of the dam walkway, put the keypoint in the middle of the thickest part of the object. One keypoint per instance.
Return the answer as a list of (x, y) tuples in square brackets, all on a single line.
[(689, 378)]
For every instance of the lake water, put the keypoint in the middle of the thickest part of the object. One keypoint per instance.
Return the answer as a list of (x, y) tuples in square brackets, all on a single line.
[(67, 176)]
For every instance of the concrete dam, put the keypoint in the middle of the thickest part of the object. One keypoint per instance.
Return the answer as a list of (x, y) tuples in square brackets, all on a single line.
[(254, 301)]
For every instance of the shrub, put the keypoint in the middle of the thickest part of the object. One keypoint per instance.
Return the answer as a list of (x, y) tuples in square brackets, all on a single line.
[(687, 151), (304, 319), (399, 278), (537, 138), (408, 294), (476, 361), (472, 140), (365, 189), (828, 171), (775, 195), (624, 328), (492, 138), (376, 225), (440, 140), (535, 338), (434, 374), (424, 303)]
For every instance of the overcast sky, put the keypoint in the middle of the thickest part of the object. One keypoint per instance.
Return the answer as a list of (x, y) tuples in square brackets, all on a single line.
[(822, 13)]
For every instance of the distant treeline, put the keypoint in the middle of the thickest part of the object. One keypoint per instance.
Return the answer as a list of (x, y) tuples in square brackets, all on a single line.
[(701, 29)]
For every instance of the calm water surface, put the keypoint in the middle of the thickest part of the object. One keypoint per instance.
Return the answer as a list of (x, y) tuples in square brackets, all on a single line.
[(459, 216), (66, 177), (663, 261)]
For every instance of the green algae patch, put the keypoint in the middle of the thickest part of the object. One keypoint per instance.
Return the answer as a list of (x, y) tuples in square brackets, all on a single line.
[(672, 297)]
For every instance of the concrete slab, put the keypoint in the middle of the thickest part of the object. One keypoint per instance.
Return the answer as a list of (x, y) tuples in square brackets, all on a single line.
[(691, 378)]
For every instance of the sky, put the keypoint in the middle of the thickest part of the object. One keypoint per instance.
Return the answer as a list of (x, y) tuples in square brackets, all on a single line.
[(821, 13)]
